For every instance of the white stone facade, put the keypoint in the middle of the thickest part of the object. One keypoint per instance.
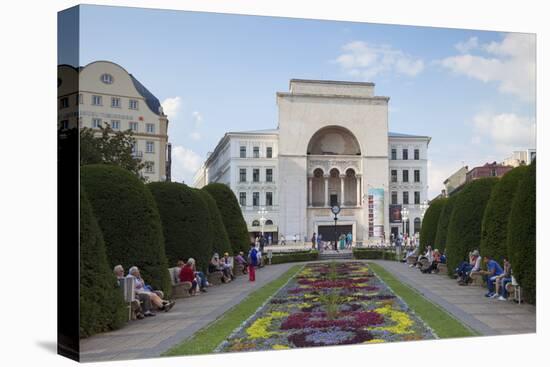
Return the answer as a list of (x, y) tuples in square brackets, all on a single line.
[(103, 92), (332, 146)]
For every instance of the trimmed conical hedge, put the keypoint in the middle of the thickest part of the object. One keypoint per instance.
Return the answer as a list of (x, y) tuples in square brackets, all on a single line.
[(521, 234), (102, 307), (185, 222), (129, 220), (495, 219), (464, 232), (235, 225), (220, 240), (429, 224), (443, 223)]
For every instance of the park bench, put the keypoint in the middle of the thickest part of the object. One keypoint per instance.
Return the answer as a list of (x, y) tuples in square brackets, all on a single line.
[(411, 260), (442, 268), (179, 289), (477, 279), (214, 278)]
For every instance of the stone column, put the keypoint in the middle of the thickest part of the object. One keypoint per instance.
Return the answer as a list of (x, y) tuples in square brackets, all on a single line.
[(342, 179), (326, 191), (310, 191), (358, 197)]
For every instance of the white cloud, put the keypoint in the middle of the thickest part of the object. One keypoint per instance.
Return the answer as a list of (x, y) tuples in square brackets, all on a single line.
[(195, 135), (366, 61), (470, 44), (171, 106), (510, 63), (185, 163), (506, 131), (437, 173)]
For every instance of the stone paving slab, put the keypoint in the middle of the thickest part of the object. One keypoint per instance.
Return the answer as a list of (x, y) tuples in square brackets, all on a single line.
[(152, 336), (467, 303)]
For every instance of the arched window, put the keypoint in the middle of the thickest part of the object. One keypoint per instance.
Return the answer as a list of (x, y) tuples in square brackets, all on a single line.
[(255, 223), (350, 188), (417, 225), (318, 188), (269, 222)]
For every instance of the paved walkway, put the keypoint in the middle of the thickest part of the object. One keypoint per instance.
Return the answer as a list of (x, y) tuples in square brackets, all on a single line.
[(467, 303), (154, 335)]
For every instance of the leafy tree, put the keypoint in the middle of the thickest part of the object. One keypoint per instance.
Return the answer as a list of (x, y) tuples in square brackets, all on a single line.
[(101, 305), (220, 239), (495, 219), (128, 217), (443, 222), (232, 216), (522, 234), (429, 224), (110, 147), (464, 232)]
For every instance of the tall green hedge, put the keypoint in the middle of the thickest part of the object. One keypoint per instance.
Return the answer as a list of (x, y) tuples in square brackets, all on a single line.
[(443, 223), (429, 224), (185, 222), (235, 225), (495, 219), (129, 220), (220, 239), (522, 232), (464, 232), (102, 307)]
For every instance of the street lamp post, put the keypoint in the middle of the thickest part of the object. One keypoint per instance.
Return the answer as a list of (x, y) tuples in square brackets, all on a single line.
[(335, 210), (404, 217)]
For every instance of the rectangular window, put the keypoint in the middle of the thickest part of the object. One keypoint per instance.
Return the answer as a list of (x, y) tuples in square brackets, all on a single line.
[(269, 199), (394, 197), (416, 154), (150, 128), (242, 175), (417, 197), (416, 175), (115, 102), (405, 175), (256, 152), (256, 199), (242, 198), (269, 175), (393, 154), (96, 100), (405, 154), (256, 175), (133, 104), (405, 197), (150, 147), (393, 175), (96, 123), (150, 167), (134, 126), (243, 152), (269, 152), (64, 102), (115, 124)]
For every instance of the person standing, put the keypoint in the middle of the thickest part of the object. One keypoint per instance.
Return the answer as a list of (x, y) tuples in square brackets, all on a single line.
[(283, 242), (252, 262), (269, 239), (313, 240), (319, 242)]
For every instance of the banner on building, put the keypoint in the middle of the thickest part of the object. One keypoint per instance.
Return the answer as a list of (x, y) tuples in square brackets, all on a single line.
[(395, 213), (376, 212)]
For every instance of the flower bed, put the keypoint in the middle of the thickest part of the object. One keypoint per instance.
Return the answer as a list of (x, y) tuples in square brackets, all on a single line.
[(328, 304)]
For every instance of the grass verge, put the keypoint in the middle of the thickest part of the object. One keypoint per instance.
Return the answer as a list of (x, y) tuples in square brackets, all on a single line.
[(207, 339), (443, 323)]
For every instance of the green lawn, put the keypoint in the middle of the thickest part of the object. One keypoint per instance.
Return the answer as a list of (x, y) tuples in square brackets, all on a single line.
[(207, 339), (444, 324)]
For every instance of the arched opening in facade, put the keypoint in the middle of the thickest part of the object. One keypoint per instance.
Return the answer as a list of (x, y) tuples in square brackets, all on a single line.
[(255, 223), (269, 222), (334, 187), (350, 188), (318, 188), (333, 140), (417, 225)]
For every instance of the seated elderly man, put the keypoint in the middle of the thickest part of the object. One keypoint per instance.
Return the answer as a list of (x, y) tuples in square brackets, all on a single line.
[(227, 264), (144, 308), (142, 288), (239, 258)]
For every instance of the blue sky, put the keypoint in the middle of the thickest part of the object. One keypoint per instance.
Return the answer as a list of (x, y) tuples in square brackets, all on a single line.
[(471, 91)]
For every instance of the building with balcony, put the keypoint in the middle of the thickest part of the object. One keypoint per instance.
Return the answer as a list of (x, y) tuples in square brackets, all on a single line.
[(102, 93), (331, 147)]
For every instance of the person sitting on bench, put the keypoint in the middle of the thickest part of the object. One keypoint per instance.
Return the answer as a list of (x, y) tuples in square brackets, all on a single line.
[(491, 274), (215, 266), (464, 271), (239, 258), (503, 279), (142, 288), (144, 299)]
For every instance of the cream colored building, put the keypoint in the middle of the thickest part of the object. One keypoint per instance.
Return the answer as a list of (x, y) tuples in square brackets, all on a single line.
[(102, 93), (520, 157), (331, 147)]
